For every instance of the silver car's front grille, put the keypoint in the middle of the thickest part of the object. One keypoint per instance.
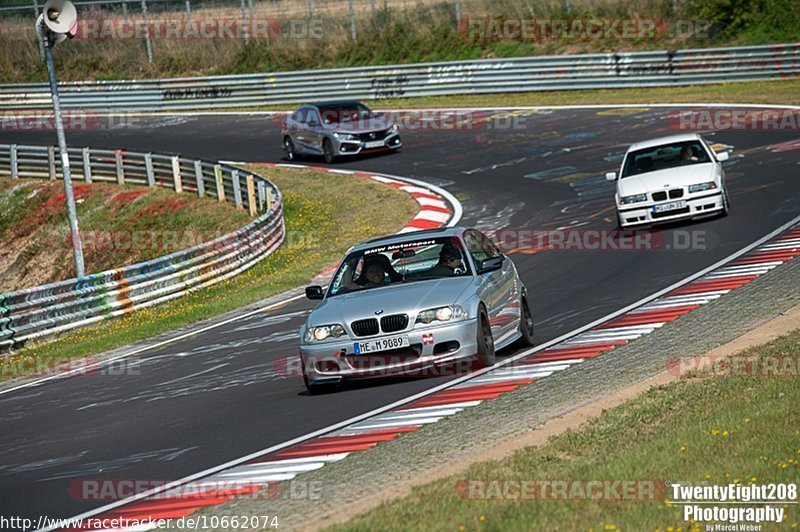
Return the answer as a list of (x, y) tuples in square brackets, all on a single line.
[(366, 327), (395, 322)]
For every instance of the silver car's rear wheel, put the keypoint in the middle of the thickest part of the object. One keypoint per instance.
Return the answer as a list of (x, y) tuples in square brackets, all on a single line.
[(486, 355), (526, 323)]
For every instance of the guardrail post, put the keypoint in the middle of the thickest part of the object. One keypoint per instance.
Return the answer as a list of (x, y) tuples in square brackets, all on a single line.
[(87, 165), (237, 190), (51, 162), (148, 166), (220, 185), (458, 11), (251, 195), (352, 19), (244, 24), (120, 169), (262, 195), (176, 173), (125, 10), (198, 177), (310, 7), (14, 162), (188, 10)]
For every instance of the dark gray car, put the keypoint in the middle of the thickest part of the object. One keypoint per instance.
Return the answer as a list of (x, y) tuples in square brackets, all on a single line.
[(336, 129)]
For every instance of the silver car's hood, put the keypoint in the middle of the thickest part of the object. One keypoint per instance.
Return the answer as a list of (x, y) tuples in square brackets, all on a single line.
[(403, 298), (377, 123), (682, 176)]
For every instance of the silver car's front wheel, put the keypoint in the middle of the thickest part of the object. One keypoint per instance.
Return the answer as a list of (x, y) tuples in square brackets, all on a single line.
[(486, 355), (288, 147), (327, 151)]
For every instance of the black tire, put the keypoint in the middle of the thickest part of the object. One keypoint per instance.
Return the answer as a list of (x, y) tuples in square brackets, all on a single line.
[(526, 323), (486, 356), (726, 205), (327, 151), (288, 147)]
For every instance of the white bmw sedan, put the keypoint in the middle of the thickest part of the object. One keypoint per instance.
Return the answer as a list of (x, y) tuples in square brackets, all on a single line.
[(670, 178)]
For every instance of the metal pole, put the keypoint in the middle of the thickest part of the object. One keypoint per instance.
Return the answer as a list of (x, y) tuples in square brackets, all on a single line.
[(372, 5), (352, 19), (77, 248), (244, 23), (458, 11), (310, 7), (36, 12), (566, 4), (147, 43), (188, 10), (250, 6), (125, 10)]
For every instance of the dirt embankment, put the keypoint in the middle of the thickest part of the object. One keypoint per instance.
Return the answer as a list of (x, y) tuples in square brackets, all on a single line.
[(120, 225)]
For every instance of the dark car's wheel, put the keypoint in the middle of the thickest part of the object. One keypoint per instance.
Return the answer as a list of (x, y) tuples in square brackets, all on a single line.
[(526, 323), (486, 356), (327, 151), (288, 147)]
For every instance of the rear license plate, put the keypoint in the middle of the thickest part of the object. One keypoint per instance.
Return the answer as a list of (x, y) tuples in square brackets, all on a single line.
[(671, 206), (381, 344), (374, 144)]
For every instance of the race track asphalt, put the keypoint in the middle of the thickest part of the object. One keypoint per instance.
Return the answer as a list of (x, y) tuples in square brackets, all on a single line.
[(221, 394)]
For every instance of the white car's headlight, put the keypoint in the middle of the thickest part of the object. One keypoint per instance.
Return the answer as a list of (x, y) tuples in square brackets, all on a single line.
[(344, 136), (636, 198), (699, 187), (449, 313), (323, 332)]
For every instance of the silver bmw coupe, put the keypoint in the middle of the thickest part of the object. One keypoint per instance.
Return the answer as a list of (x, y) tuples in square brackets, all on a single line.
[(402, 304)]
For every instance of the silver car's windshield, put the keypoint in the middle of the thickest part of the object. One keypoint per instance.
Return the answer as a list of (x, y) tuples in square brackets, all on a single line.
[(664, 156), (338, 114), (417, 260)]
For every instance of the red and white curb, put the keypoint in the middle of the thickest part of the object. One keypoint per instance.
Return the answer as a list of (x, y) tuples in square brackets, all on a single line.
[(255, 473)]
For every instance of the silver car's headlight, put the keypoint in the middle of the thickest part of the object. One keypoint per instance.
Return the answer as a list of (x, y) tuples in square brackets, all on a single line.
[(324, 332), (394, 128), (699, 187), (449, 313), (636, 198), (344, 136)]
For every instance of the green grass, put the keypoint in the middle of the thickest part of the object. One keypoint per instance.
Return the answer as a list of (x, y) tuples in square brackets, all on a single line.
[(325, 214), (695, 430)]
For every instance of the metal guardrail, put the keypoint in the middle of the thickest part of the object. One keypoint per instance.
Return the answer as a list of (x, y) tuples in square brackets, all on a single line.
[(591, 71), (53, 308)]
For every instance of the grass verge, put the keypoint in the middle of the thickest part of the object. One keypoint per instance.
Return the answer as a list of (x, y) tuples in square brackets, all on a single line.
[(325, 214), (780, 92), (696, 430)]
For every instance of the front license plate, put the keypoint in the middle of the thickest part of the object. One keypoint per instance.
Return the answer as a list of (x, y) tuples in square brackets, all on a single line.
[(374, 144), (671, 206), (381, 344)]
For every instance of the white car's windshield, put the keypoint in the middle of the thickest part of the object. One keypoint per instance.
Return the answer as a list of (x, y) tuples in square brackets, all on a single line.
[(664, 156), (416, 260)]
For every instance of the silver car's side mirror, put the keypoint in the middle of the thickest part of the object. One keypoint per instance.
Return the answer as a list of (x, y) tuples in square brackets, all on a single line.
[(722, 156), (314, 292), (611, 176)]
